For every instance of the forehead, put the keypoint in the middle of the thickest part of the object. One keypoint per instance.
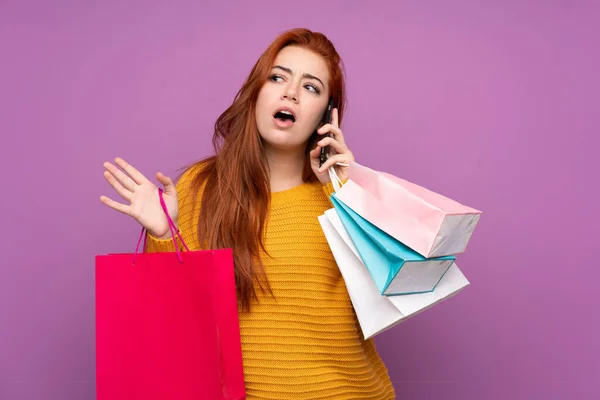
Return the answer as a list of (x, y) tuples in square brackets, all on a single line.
[(303, 61)]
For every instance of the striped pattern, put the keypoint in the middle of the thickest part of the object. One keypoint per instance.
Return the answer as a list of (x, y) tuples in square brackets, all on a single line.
[(305, 341)]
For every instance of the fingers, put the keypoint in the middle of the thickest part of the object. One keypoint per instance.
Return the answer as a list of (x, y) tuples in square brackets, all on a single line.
[(124, 193), (334, 144), (137, 176), (125, 180), (315, 155), (116, 206), (338, 159), (329, 128), (334, 118), (167, 183), (334, 130)]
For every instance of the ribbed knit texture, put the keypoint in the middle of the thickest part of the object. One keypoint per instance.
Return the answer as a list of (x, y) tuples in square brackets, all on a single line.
[(305, 341)]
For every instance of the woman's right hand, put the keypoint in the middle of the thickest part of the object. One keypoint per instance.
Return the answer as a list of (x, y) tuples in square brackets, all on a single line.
[(144, 204)]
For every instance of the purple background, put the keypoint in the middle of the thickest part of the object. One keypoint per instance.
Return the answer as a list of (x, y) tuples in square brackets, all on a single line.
[(494, 104)]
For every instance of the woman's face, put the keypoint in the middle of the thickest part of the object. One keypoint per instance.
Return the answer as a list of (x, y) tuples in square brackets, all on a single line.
[(292, 101)]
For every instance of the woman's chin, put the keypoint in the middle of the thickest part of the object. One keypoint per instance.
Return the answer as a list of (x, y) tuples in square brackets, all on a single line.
[(284, 145), (284, 142)]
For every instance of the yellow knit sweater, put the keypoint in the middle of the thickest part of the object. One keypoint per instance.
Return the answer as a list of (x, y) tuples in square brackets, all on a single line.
[(305, 342)]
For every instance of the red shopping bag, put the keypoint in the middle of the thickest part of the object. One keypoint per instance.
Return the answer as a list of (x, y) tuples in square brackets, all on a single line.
[(167, 325)]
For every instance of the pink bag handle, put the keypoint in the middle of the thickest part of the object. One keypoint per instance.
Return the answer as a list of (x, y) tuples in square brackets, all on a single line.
[(172, 228)]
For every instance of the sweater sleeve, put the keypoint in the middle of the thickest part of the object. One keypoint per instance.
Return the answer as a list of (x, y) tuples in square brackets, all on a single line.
[(155, 245)]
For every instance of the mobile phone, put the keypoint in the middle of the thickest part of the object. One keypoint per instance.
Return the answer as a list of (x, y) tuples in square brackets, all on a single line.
[(326, 120)]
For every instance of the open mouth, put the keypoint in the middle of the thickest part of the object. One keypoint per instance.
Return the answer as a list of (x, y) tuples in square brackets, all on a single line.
[(285, 116)]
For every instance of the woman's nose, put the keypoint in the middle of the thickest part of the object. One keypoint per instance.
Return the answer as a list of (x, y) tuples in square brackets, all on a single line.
[(290, 93)]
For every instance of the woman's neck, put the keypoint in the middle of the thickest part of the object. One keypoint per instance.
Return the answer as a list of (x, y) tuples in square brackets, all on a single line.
[(285, 168)]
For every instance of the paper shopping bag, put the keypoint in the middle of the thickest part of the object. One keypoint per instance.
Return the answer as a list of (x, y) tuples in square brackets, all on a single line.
[(395, 268), (167, 326), (427, 222), (377, 313)]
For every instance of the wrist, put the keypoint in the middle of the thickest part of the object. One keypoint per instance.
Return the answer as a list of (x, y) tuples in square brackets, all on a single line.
[(166, 236)]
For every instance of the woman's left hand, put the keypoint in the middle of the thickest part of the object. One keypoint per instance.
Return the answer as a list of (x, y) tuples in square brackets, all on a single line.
[(341, 155)]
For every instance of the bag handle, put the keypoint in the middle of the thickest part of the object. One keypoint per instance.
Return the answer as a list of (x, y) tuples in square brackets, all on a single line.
[(172, 228), (335, 179)]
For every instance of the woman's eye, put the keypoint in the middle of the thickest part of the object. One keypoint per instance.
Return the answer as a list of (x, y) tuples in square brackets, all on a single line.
[(279, 78), (313, 88)]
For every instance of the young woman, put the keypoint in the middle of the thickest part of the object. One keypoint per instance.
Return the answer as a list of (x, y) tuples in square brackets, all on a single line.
[(261, 194)]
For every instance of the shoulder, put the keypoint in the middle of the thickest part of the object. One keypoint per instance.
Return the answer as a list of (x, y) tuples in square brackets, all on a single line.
[(189, 184), (187, 179)]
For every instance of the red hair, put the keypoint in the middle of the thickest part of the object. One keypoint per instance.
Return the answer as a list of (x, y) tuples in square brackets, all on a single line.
[(235, 181)]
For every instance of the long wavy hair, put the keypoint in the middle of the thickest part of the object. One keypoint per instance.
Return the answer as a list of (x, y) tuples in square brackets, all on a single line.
[(235, 181)]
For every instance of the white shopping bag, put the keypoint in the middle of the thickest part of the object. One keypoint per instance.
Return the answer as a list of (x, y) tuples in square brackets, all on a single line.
[(376, 312)]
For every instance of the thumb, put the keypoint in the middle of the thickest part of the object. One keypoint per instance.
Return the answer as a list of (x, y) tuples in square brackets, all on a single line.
[(315, 153), (167, 183)]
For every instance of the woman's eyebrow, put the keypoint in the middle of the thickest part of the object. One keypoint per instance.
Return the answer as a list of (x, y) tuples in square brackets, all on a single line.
[(305, 75)]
